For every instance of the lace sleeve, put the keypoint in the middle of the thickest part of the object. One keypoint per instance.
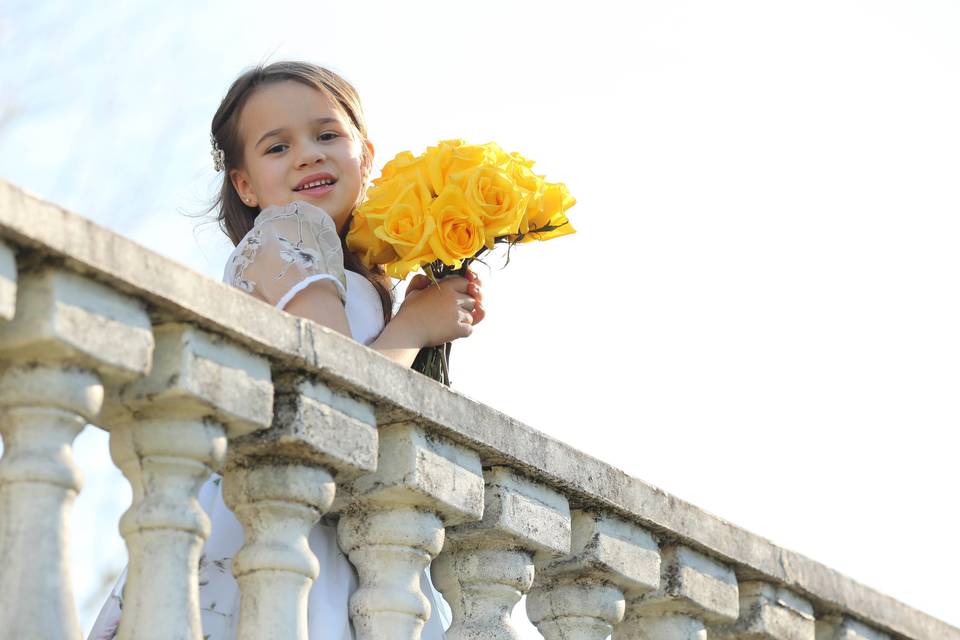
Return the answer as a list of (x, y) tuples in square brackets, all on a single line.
[(288, 249)]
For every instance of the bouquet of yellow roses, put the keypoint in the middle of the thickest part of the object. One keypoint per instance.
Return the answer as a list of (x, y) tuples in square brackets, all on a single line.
[(441, 210)]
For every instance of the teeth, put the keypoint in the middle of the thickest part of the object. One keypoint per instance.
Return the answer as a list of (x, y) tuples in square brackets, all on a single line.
[(316, 183)]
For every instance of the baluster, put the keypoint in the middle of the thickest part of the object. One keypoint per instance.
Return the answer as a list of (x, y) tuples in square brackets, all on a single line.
[(840, 627), (581, 596), (768, 612), (393, 526), (485, 567), (167, 432), (279, 482), (68, 336), (694, 590)]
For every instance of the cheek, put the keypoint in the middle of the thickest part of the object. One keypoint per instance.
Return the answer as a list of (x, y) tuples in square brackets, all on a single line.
[(357, 158), (354, 170), (269, 178)]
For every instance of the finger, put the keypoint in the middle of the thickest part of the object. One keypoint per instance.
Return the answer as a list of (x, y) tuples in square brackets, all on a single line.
[(474, 291), (465, 300), (479, 313), (455, 283), (419, 281), (466, 318), (468, 304)]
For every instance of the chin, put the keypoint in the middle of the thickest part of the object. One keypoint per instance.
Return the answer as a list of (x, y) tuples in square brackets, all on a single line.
[(323, 203)]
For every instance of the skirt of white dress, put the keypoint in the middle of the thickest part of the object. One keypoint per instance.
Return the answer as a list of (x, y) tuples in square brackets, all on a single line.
[(327, 610)]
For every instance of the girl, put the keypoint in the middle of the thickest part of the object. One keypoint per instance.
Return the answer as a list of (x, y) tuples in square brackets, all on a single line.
[(292, 142)]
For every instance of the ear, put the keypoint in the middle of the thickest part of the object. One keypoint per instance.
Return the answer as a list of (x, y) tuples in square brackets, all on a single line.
[(241, 182), (368, 164)]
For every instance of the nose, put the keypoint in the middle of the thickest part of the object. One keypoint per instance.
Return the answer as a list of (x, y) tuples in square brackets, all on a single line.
[(310, 153)]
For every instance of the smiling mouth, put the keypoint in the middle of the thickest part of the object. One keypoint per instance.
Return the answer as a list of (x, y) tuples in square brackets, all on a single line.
[(317, 185)]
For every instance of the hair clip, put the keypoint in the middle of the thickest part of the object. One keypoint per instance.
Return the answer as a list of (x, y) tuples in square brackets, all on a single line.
[(219, 160)]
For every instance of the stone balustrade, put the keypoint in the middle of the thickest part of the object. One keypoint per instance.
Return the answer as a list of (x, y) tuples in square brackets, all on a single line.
[(190, 376)]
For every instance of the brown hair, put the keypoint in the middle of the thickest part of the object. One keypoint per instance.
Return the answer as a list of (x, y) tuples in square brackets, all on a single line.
[(236, 218)]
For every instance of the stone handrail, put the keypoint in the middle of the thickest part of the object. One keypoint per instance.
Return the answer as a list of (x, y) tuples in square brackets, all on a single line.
[(189, 375)]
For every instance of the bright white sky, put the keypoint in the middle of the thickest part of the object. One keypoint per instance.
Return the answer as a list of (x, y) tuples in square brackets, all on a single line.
[(759, 313)]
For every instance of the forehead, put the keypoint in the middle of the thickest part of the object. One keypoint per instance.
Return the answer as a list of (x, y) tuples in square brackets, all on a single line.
[(286, 104)]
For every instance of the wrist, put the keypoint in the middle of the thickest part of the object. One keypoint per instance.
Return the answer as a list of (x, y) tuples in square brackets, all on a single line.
[(404, 329)]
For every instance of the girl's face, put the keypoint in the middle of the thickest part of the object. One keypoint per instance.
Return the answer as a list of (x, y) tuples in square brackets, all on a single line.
[(294, 137)]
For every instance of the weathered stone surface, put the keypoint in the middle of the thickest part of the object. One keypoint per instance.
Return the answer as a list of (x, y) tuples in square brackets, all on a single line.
[(392, 521), (581, 594), (78, 391), (34, 226), (837, 627), (42, 409), (417, 467), (610, 548), (390, 546), (768, 612), (54, 355), (665, 626), (575, 610), (485, 567), (278, 503), (521, 513), (278, 482), (165, 461), (71, 320), (193, 374), (168, 431), (314, 424), (691, 584)]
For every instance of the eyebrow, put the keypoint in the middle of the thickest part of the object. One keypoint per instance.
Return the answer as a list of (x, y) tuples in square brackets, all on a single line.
[(274, 132)]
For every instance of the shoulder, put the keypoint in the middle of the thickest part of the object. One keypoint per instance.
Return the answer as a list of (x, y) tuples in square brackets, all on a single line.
[(298, 224), (286, 246)]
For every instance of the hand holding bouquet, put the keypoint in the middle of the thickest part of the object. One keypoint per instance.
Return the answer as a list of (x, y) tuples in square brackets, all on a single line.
[(444, 208)]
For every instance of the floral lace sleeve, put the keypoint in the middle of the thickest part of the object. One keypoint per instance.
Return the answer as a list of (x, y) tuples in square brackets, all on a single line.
[(288, 249)]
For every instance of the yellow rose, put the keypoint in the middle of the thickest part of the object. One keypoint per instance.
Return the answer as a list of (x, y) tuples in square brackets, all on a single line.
[(496, 199), (459, 231), (495, 155), (548, 210), (436, 162), (524, 177), (384, 193), (362, 240), (404, 163), (467, 156), (531, 184), (401, 269), (396, 213), (519, 159), (448, 158)]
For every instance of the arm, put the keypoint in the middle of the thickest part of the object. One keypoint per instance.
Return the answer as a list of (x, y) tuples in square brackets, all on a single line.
[(400, 341), (292, 259), (397, 343), (432, 315), (321, 303)]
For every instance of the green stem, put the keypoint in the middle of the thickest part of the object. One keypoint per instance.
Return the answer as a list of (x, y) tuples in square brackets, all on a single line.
[(434, 362)]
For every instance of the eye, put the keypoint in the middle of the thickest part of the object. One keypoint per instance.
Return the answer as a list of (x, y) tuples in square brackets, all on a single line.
[(327, 136), (276, 148)]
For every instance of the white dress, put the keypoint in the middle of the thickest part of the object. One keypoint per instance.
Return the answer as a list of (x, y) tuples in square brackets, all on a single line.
[(288, 249)]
